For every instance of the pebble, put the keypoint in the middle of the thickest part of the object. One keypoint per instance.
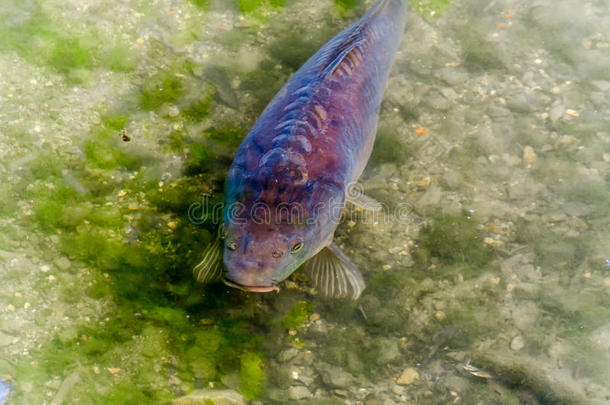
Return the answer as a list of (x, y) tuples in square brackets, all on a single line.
[(63, 263), (334, 376), (299, 392), (529, 156), (314, 317), (517, 343), (567, 140), (45, 267), (408, 376)]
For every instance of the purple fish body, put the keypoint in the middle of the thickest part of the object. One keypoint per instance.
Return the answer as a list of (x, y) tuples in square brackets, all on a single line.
[(288, 183)]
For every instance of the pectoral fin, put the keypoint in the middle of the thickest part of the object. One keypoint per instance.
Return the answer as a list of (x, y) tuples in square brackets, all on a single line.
[(210, 267), (364, 202), (333, 274)]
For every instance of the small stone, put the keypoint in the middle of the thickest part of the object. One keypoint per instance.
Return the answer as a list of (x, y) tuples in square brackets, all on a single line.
[(314, 317), (10, 308), (122, 194), (299, 392), (172, 225), (63, 263), (45, 267), (567, 140), (572, 113), (529, 156), (408, 376), (587, 275), (517, 343), (440, 316), (386, 267), (607, 281), (334, 376)]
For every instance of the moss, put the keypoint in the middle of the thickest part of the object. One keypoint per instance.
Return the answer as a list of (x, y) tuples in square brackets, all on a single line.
[(455, 239), (298, 315), (252, 375), (162, 88)]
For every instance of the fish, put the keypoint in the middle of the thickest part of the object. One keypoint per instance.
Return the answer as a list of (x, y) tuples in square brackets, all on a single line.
[(295, 169), (5, 390)]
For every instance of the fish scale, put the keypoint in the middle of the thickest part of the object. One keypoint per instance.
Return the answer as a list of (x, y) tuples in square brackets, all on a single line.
[(311, 142)]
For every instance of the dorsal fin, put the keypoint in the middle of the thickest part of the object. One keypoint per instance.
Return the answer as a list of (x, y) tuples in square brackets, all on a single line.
[(351, 44), (349, 47)]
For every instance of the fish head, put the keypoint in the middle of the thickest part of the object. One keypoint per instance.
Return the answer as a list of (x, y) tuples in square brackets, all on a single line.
[(257, 256)]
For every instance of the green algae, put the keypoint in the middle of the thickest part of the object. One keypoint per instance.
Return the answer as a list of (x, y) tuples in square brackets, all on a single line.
[(429, 8), (298, 315), (40, 39), (454, 239), (164, 87), (253, 6), (386, 150), (347, 8), (202, 4), (119, 224), (252, 375)]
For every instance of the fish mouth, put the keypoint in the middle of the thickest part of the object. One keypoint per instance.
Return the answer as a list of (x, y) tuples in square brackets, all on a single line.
[(251, 288)]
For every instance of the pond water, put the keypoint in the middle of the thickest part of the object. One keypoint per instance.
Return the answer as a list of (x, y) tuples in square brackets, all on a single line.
[(488, 277)]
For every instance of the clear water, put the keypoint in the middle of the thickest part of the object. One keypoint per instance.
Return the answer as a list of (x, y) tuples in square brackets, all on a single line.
[(488, 278)]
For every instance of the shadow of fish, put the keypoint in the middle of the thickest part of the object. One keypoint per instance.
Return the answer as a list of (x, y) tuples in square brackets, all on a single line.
[(291, 176)]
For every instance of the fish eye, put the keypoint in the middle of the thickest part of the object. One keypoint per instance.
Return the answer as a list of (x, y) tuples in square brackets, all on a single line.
[(277, 254), (232, 245), (296, 247)]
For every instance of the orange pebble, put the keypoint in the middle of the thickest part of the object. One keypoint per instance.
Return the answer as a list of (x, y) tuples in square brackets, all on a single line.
[(421, 131), (501, 26)]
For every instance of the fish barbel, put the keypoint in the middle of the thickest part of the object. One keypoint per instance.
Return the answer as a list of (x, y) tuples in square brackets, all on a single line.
[(291, 175)]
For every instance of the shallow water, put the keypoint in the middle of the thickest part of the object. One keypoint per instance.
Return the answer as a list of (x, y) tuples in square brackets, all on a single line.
[(488, 274)]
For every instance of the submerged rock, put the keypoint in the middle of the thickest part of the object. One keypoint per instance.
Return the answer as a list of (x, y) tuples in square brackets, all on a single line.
[(299, 392), (334, 376), (408, 376)]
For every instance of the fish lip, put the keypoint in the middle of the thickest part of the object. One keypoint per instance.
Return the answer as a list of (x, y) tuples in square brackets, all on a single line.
[(251, 288)]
